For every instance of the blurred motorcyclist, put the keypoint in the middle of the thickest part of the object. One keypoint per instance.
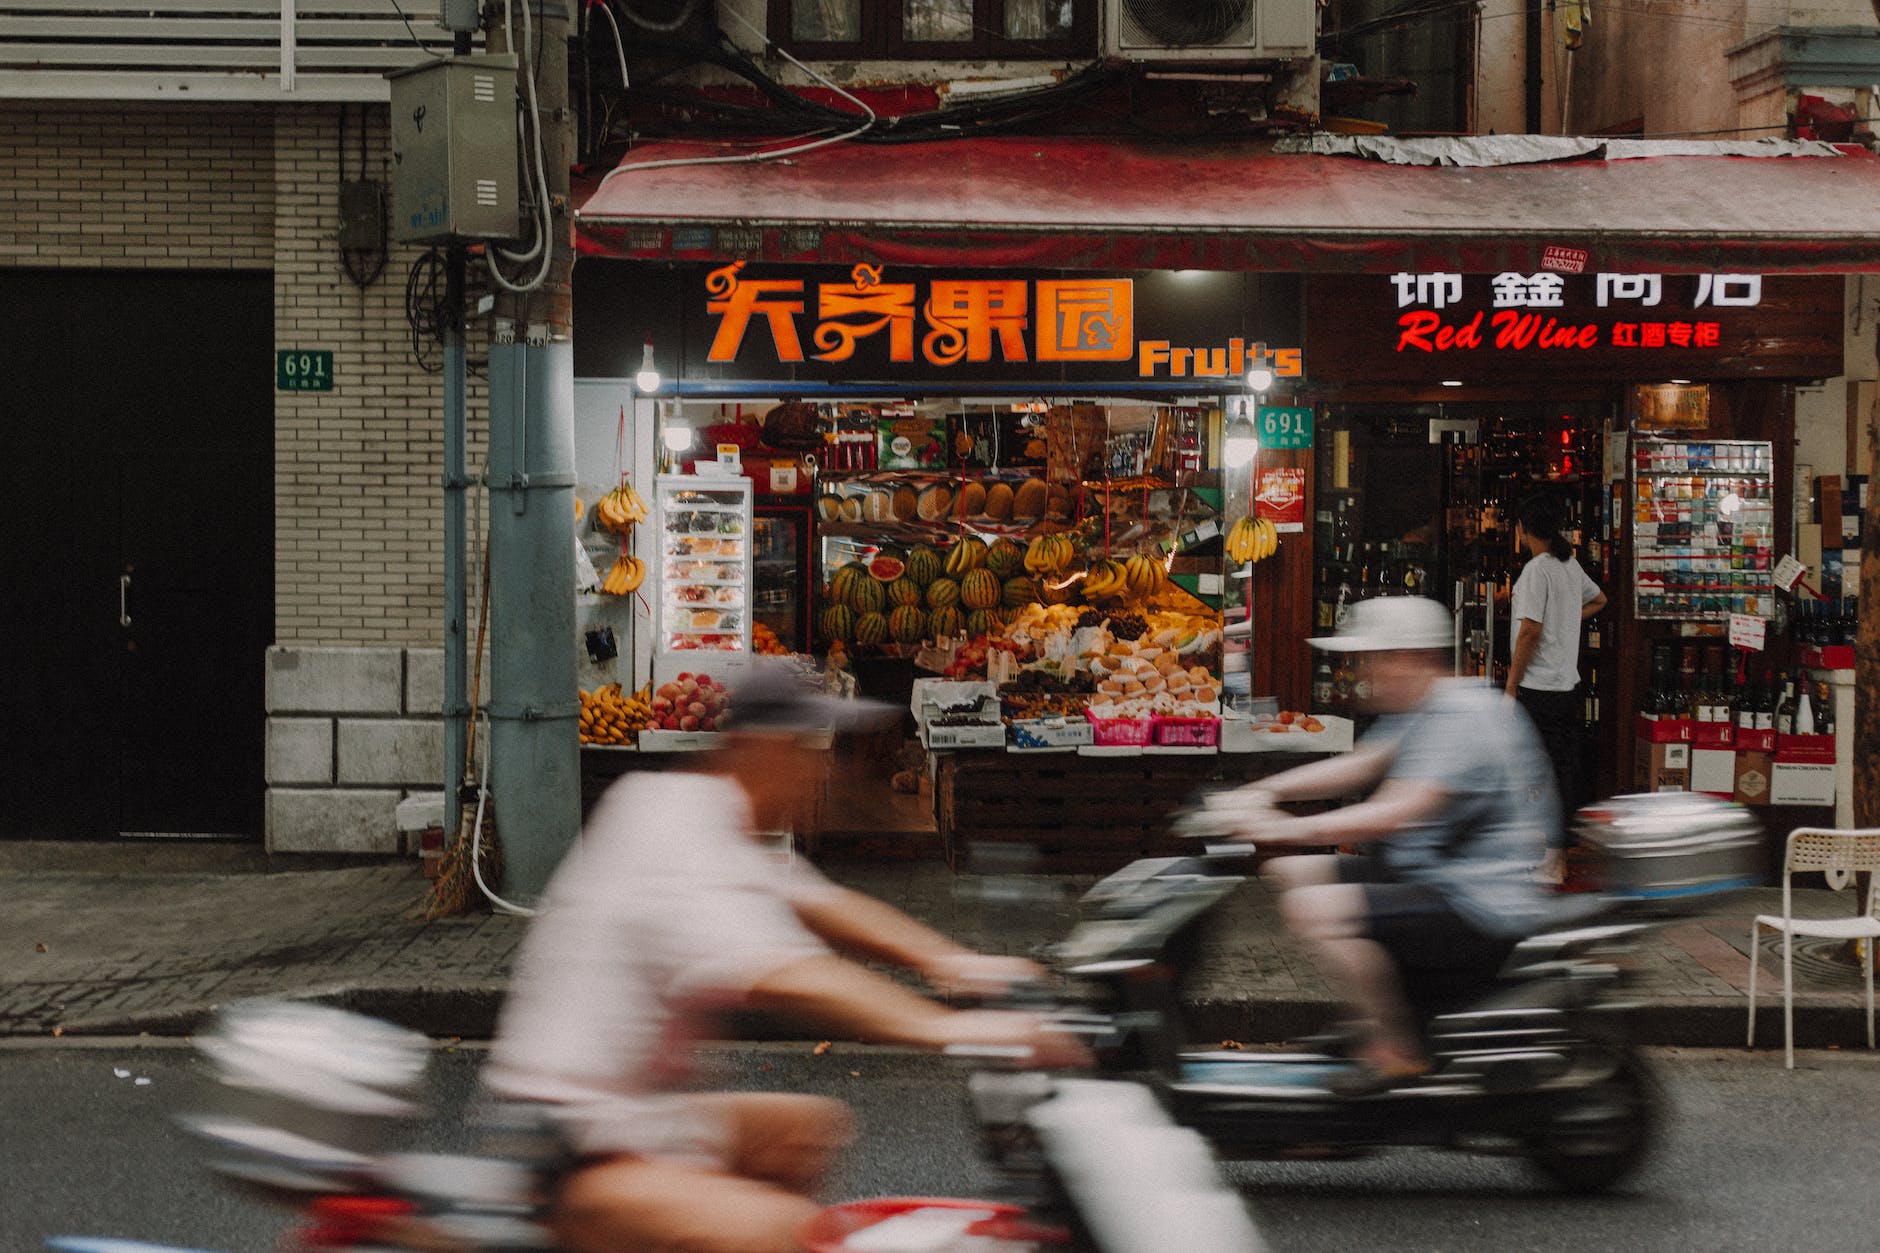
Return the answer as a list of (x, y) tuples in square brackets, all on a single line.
[(667, 911), (1458, 808)]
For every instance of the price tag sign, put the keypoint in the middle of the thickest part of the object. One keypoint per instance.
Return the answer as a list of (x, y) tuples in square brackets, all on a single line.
[(1747, 631), (1280, 427), (1789, 572)]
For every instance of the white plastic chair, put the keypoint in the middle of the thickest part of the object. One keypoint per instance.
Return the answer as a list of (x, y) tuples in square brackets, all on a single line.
[(1838, 856)]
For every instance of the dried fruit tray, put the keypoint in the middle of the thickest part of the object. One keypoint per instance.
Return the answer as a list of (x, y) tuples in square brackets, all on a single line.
[(1121, 732), (1189, 732)]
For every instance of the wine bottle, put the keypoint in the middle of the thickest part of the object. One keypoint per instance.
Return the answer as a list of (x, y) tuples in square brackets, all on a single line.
[(1785, 711), (1766, 704), (1824, 710)]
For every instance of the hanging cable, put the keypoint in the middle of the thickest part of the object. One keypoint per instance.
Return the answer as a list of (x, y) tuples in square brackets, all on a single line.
[(544, 246), (774, 153), (620, 48)]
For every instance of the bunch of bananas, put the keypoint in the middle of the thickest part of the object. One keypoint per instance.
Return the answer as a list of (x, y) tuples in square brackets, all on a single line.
[(1050, 554), (624, 576), (620, 509), (1252, 539), (610, 717), (1137, 578)]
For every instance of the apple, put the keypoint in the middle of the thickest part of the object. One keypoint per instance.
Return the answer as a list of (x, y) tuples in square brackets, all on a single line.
[(708, 724), (696, 709), (688, 723), (684, 676)]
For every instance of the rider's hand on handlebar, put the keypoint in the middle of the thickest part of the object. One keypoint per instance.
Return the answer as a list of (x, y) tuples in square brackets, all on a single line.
[(1050, 1047), (978, 974), (1238, 814)]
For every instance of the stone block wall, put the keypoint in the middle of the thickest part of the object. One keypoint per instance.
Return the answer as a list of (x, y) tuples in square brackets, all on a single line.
[(352, 731)]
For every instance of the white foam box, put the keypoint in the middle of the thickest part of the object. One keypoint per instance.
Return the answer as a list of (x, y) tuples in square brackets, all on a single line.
[(1713, 770), (1793, 783), (931, 696)]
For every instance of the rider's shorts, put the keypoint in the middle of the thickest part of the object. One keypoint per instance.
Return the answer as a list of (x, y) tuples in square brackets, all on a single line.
[(1416, 925)]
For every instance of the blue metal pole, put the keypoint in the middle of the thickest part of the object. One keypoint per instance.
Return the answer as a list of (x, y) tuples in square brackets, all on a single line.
[(456, 482)]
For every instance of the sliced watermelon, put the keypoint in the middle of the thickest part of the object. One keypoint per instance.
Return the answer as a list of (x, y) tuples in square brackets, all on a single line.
[(887, 568)]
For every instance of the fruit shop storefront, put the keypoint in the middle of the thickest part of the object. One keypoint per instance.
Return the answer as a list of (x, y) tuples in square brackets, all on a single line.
[(915, 342), (1019, 503)]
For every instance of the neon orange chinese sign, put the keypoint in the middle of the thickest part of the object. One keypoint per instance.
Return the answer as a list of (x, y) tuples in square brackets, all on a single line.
[(965, 321)]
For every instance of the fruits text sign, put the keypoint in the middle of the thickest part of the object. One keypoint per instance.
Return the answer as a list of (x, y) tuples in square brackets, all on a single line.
[(303, 369), (1280, 427)]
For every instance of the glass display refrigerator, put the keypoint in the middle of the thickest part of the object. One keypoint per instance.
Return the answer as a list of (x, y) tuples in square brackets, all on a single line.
[(702, 602), (782, 577)]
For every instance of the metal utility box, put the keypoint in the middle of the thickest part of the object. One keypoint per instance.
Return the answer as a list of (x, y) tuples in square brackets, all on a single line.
[(455, 170)]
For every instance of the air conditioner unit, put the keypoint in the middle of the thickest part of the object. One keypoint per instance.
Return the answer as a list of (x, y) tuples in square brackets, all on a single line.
[(1210, 30)]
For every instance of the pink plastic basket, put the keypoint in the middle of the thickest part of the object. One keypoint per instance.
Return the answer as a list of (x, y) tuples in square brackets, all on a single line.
[(1188, 732), (1121, 732)]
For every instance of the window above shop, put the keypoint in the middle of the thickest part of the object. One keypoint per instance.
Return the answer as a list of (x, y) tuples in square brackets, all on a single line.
[(935, 29)]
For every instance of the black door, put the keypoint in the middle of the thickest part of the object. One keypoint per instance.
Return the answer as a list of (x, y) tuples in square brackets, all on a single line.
[(137, 421)]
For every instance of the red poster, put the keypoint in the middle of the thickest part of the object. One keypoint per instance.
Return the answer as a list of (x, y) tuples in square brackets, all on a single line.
[(1282, 498)]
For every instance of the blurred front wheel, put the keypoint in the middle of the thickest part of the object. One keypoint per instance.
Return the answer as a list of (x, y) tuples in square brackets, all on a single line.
[(1597, 1136)]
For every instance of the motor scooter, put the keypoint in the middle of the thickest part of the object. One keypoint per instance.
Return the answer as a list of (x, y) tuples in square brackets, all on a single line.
[(1532, 1059), (314, 1108)]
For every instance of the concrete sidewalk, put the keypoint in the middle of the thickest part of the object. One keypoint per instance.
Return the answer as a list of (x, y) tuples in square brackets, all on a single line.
[(116, 939)]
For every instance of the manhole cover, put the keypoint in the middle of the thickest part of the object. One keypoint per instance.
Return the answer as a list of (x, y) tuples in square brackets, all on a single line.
[(1822, 961)]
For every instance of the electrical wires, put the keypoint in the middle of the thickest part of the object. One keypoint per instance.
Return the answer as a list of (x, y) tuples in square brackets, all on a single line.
[(543, 248)]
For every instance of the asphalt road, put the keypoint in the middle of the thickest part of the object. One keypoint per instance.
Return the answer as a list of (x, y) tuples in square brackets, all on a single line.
[(1753, 1158)]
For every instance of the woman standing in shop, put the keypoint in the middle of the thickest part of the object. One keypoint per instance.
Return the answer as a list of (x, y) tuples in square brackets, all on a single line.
[(1551, 598)]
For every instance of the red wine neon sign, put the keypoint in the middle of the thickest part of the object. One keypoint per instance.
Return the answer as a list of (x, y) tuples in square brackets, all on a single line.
[(1512, 330)]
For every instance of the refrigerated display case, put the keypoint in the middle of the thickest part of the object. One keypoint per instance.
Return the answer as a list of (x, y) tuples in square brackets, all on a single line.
[(703, 602), (782, 574), (1704, 529)]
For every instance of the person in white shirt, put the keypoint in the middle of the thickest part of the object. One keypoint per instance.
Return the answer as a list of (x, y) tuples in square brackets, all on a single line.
[(669, 910), (1551, 598)]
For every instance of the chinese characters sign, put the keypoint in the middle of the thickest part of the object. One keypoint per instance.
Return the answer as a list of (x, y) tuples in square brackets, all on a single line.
[(945, 322), (1445, 325)]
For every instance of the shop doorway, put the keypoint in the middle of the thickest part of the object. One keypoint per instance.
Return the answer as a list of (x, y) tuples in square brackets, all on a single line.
[(136, 419)]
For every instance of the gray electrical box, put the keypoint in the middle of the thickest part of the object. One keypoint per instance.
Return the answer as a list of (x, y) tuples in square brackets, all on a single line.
[(455, 170)]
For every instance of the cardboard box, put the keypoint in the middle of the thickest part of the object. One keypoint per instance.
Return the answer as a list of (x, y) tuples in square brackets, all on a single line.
[(1713, 735), (1032, 734), (1828, 509), (1661, 767), (1664, 730), (1752, 778), (1763, 742), (1796, 783), (1713, 770), (970, 735), (1811, 750)]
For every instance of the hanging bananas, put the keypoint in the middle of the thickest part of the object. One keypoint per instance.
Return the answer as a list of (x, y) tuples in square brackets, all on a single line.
[(1050, 555), (619, 509), (1136, 578), (624, 576), (1251, 540)]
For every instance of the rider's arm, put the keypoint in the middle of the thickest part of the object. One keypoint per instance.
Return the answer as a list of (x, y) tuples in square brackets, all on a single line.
[(855, 923), (1392, 807), (1527, 641)]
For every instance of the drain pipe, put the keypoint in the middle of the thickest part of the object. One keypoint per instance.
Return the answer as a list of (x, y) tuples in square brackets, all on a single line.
[(1535, 51)]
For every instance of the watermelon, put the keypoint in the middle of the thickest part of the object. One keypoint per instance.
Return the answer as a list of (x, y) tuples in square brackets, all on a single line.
[(980, 622), (868, 596), (842, 585), (886, 568), (1019, 592), (871, 628), (979, 590), (941, 593), (837, 623), (946, 621), (924, 565), (967, 555), (904, 591), (1005, 559), (907, 624)]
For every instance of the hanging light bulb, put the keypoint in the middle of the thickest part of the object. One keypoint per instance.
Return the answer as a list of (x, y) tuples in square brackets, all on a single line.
[(1240, 443), (647, 380)]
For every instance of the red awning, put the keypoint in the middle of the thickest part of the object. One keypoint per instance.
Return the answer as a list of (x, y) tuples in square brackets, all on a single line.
[(1132, 205)]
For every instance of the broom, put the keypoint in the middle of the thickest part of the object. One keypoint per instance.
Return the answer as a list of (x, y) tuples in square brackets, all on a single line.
[(454, 890)]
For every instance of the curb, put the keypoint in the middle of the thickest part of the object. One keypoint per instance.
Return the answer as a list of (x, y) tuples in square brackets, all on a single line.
[(469, 1013)]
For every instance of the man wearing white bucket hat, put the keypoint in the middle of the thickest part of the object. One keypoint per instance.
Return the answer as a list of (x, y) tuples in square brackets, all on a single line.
[(1458, 804)]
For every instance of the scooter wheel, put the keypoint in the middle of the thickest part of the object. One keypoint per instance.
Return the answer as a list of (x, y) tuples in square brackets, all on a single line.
[(1597, 1136)]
